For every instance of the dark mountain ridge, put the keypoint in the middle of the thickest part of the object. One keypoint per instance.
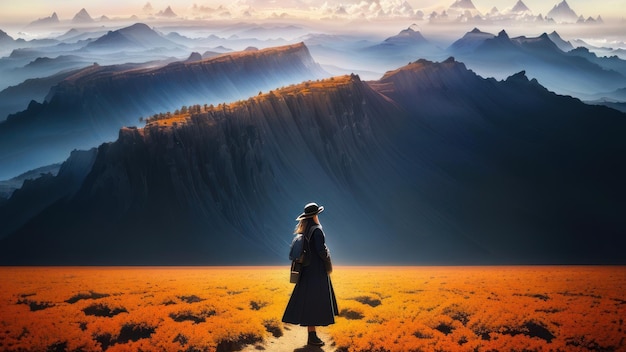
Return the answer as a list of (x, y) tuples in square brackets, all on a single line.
[(430, 164), (89, 107)]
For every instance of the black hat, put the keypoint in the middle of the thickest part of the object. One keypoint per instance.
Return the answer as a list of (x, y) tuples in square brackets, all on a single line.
[(310, 210)]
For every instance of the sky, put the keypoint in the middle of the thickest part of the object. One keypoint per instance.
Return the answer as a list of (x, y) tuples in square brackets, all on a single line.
[(28, 10)]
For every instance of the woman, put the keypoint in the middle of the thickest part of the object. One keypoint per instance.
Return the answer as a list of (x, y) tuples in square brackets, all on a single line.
[(312, 302)]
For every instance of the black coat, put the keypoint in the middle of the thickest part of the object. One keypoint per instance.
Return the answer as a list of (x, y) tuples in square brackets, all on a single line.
[(313, 301)]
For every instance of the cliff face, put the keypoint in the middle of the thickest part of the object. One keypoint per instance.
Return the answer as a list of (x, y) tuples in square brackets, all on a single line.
[(89, 107), (166, 191), (431, 164)]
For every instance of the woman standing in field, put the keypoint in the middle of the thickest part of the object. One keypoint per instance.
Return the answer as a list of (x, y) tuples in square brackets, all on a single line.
[(313, 302)]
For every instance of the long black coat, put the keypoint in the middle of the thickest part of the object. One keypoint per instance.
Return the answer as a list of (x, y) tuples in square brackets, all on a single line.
[(312, 301)]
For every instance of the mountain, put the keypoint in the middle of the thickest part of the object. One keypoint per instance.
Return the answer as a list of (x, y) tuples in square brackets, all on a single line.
[(405, 46), (463, 4), (82, 16), (562, 13), (16, 98), (168, 12), (136, 37), (5, 38), (431, 164), (520, 7), (409, 36), (562, 44), (89, 107), (460, 11), (75, 35), (470, 41), (54, 184), (46, 21), (612, 63), (540, 58), (7, 187)]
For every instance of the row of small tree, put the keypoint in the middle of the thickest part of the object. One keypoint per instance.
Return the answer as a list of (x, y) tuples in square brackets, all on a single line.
[(198, 109)]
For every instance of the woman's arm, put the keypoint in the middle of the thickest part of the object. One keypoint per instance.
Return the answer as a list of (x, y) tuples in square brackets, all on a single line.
[(319, 245)]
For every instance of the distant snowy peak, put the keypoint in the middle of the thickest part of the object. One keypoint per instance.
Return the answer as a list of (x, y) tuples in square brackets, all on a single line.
[(168, 12), (562, 13), (53, 19), (82, 17), (464, 11), (520, 7), (463, 5)]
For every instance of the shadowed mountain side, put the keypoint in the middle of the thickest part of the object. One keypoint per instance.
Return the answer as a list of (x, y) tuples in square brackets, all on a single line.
[(527, 171), (90, 107), (219, 185), (17, 98), (35, 195), (431, 164)]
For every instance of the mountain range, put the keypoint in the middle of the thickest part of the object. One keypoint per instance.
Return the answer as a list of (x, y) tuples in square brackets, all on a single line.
[(47, 72), (463, 11), (430, 164), (542, 58)]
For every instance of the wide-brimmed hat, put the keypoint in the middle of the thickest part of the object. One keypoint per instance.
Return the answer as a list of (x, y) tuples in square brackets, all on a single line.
[(310, 210)]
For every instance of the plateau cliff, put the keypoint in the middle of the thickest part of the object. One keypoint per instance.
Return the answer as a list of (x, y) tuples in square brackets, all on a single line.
[(90, 106), (431, 164)]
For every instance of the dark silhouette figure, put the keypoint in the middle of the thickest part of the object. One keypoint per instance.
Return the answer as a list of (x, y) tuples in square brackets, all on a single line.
[(312, 301)]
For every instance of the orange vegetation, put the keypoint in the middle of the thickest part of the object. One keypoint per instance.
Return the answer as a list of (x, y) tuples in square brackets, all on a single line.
[(382, 308)]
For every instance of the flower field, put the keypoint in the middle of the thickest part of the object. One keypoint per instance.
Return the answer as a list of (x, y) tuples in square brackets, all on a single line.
[(381, 308)]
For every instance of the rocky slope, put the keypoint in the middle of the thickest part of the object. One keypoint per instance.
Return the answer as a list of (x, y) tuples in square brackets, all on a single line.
[(431, 164), (89, 107)]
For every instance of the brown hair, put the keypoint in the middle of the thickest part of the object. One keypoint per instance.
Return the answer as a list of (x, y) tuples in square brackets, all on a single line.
[(304, 224)]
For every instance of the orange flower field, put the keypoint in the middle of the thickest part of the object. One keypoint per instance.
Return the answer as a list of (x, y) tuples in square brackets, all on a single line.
[(558, 308)]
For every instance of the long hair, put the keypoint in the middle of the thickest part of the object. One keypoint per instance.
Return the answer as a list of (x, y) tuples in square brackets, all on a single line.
[(304, 225)]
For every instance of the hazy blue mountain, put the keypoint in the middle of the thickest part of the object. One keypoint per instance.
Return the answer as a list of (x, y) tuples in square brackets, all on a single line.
[(7, 187), (89, 107), (613, 63), (136, 37), (541, 58), (470, 41), (5, 38), (55, 183), (137, 43), (401, 48), (75, 35), (17, 98), (431, 164), (562, 44)]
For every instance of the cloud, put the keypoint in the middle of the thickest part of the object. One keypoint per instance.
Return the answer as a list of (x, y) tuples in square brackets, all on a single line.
[(370, 9), (234, 10)]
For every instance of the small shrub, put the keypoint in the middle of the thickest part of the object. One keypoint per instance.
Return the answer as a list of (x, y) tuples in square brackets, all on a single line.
[(102, 310), (351, 314), (90, 295)]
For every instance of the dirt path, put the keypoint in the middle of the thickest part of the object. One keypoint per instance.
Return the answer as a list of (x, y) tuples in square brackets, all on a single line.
[(293, 340)]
